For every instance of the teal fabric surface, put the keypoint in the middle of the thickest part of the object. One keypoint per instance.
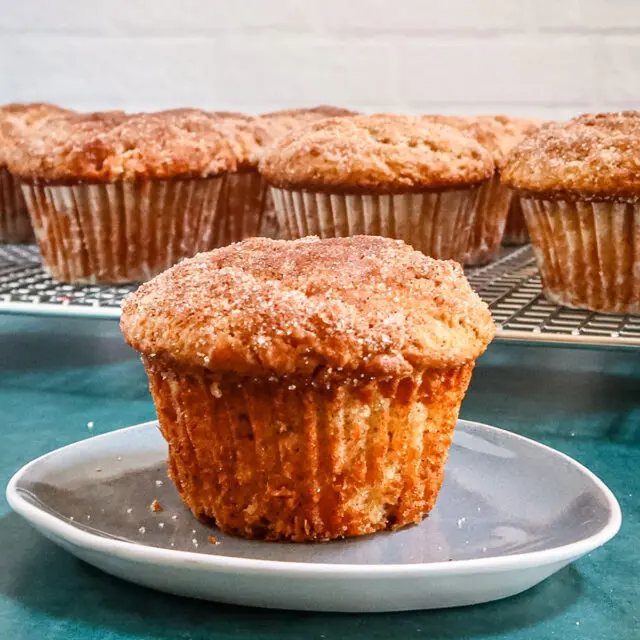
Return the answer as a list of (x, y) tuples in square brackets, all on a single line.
[(57, 375)]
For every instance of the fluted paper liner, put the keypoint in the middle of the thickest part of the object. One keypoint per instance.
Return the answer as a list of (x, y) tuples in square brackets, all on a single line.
[(588, 253), (243, 206), (15, 226), (434, 222), (123, 231), (485, 237), (515, 231), (287, 459)]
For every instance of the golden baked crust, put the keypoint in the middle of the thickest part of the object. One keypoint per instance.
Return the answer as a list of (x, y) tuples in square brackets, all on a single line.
[(594, 156), (105, 147), (15, 117), (247, 135), (261, 307), (378, 154), (279, 123), (496, 133)]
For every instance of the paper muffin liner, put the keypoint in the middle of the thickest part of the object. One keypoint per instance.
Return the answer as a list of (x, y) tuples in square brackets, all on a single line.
[(122, 231), (434, 222), (290, 459), (588, 253), (490, 217), (270, 227), (242, 207), (15, 226), (515, 231)]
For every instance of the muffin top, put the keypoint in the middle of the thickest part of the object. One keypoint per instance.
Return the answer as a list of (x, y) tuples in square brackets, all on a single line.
[(16, 117), (279, 123), (498, 134), (247, 135), (593, 156), (110, 146), (365, 305), (375, 154)]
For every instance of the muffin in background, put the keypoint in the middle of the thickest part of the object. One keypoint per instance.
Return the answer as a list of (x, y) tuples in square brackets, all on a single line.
[(119, 198), (15, 226), (579, 184), (496, 204), (279, 123), (394, 176), (308, 390)]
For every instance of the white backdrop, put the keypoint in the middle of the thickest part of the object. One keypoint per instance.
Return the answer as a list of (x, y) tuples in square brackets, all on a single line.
[(530, 57)]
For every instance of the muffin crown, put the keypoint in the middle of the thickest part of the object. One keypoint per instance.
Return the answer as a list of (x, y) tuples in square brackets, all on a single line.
[(379, 154), (593, 156), (260, 307), (110, 146), (15, 117), (279, 123), (498, 134), (247, 135)]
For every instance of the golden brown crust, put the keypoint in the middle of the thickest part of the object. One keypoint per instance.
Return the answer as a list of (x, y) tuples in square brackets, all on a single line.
[(105, 147), (378, 154), (247, 135), (279, 123), (496, 133), (594, 156), (263, 307), (15, 117)]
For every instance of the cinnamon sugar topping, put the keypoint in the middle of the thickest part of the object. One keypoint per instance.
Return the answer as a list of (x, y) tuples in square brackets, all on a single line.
[(262, 307), (593, 156), (104, 147), (383, 153)]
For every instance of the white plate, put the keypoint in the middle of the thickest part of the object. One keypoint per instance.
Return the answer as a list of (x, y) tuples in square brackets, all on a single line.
[(511, 513)]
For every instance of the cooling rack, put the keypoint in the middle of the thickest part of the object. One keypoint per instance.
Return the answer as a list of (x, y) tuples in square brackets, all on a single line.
[(510, 286)]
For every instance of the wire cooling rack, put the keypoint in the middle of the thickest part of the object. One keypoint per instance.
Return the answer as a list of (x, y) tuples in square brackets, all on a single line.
[(510, 286)]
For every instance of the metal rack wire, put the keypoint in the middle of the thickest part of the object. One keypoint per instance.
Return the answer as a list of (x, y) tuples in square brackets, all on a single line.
[(511, 287)]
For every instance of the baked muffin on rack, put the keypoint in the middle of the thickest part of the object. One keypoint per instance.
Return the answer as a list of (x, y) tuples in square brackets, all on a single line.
[(308, 389), (15, 225), (579, 183), (119, 198), (387, 175), (497, 208)]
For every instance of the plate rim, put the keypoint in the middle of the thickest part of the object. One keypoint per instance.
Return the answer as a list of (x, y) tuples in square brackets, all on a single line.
[(146, 554)]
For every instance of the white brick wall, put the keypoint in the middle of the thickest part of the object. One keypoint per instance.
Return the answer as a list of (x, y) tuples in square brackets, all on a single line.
[(532, 57)]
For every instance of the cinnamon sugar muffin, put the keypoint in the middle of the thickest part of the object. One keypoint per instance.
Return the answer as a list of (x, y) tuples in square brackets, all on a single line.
[(387, 175), (15, 225), (117, 198), (580, 187), (308, 389), (496, 205)]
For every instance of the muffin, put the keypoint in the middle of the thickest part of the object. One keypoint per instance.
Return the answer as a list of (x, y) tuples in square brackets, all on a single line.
[(116, 198), (395, 176), (579, 184), (496, 204), (15, 225), (308, 389), (277, 124)]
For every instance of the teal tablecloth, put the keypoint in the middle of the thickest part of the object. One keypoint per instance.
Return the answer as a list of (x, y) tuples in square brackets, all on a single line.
[(57, 375)]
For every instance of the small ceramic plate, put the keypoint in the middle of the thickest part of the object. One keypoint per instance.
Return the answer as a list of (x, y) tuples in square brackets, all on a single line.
[(511, 512)]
